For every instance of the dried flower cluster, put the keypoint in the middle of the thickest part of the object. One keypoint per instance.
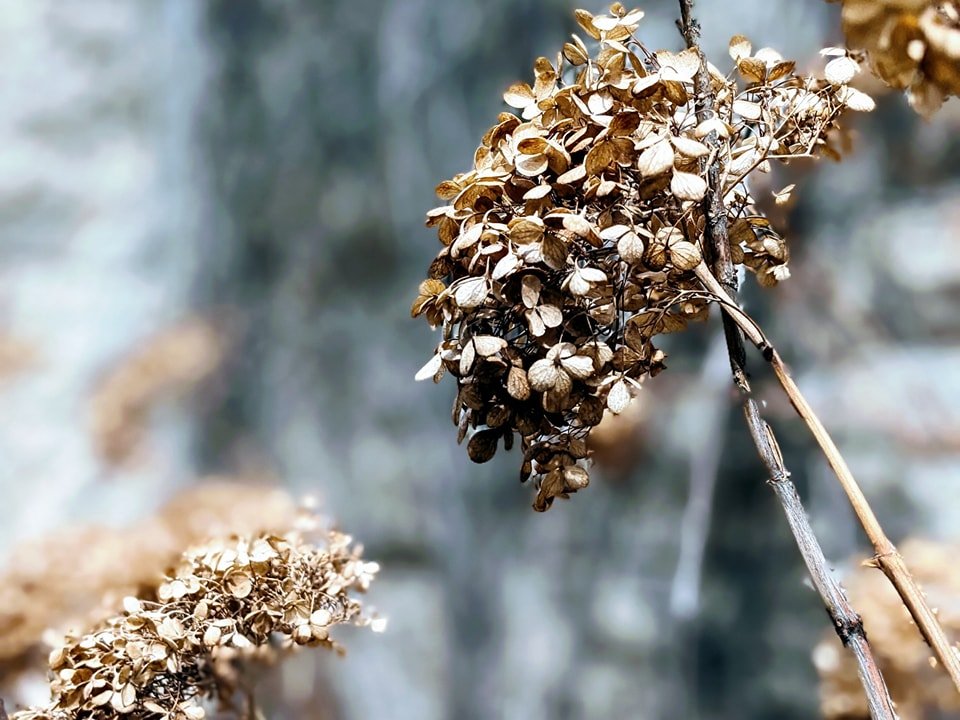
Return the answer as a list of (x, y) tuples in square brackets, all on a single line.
[(920, 690), (168, 364), (228, 602), (62, 578), (911, 44), (571, 243)]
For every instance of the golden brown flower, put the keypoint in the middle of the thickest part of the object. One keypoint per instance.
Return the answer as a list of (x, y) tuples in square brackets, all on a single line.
[(229, 602), (911, 44), (571, 243)]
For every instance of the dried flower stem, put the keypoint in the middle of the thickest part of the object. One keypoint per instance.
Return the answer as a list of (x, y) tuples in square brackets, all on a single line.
[(716, 217), (846, 621), (715, 230), (886, 555)]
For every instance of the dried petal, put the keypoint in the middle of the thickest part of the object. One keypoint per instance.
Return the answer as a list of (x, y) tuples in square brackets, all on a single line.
[(618, 398), (487, 345), (519, 95), (483, 445), (471, 292), (517, 384), (543, 375), (740, 47), (578, 366), (430, 369), (656, 159), (841, 70), (630, 247), (687, 186), (684, 255)]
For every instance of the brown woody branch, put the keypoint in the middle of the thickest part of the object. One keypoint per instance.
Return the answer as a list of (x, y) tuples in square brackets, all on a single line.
[(717, 246), (886, 556), (846, 621)]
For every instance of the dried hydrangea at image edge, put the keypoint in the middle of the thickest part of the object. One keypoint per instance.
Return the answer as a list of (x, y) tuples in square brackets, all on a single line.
[(571, 243), (918, 687), (48, 584), (911, 44), (228, 602)]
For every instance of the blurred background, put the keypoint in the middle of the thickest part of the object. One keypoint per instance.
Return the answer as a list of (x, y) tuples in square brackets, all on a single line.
[(211, 230)]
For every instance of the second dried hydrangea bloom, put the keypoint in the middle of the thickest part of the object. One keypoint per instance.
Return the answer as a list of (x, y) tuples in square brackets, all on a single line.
[(228, 602), (571, 243), (50, 585), (912, 45)]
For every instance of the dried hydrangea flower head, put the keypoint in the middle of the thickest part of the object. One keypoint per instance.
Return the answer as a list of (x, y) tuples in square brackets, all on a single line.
[(911, 44), (919, 688), (48, 584), (571, 244), (229, 602)]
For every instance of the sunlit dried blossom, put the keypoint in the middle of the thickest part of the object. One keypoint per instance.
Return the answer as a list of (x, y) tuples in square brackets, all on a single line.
[(61, 578), (920, 690), (228, 603), (166, 365), (571, 243), (911, 44)]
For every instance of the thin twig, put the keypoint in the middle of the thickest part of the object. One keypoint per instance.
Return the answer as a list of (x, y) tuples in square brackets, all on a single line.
[(716, 233), (846, 621), (886, 556), (717, 244)]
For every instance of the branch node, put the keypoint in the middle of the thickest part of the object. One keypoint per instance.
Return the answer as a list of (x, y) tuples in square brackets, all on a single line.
[(848, 628)]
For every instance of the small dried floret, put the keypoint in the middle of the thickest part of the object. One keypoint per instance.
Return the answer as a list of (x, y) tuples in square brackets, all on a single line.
[(572, 242), (229, 602)]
